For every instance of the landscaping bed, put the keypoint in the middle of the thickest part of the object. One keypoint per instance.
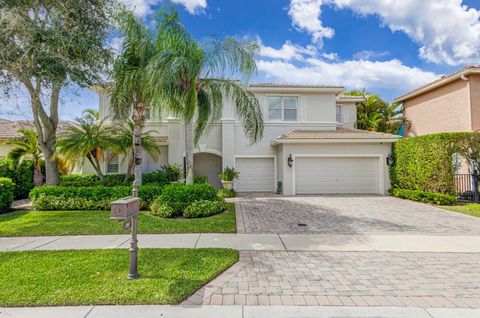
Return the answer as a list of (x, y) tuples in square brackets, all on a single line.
[(37, 223), (99, 277)]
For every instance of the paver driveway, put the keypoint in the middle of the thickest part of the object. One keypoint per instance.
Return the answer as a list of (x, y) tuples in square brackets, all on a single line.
[(349, 215)]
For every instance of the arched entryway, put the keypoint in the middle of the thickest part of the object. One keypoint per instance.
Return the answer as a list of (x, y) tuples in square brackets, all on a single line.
[(208, 165)]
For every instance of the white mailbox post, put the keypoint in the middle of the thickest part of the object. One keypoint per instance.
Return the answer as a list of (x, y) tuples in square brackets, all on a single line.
[(126, 210)]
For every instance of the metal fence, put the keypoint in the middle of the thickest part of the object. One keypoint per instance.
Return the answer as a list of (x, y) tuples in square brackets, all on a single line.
[(466, 186)]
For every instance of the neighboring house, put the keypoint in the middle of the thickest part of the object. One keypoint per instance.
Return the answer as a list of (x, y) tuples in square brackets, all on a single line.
[(309, 145), (449, 104), (9, 129)]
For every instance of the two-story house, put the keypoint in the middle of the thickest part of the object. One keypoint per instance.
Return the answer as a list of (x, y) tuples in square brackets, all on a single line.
[(310, 145)]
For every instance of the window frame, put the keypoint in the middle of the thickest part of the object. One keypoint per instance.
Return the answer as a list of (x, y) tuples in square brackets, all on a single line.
[(282, 104), (341, 113), (109, 164)]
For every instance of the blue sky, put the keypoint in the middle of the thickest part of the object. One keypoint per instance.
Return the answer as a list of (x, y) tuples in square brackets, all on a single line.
[(385, 46)]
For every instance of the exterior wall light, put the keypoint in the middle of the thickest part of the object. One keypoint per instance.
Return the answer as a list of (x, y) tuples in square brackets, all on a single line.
[(290, 160), (390, 160)]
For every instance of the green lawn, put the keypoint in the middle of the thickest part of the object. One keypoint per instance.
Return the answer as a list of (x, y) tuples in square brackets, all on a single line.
[(472, 209), (168, 276), (32, 223)]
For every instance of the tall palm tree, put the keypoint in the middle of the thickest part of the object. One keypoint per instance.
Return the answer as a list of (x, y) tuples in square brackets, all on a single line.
[(89, 138), (124, 144), (27, 145), (190, 80), (392, 117), (131, 91)]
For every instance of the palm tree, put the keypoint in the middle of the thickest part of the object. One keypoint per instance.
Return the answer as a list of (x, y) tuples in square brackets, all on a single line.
[(189, 79), (89, 138), (27, 145), (392, 117), (131, 91), (124, 145)]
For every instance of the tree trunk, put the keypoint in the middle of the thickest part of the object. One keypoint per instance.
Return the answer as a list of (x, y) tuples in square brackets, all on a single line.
[(189, 152), (37, 176), (138, 118), (52, 176)]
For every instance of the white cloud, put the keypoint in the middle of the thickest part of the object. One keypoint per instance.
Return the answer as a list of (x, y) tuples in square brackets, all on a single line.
[(144, 7), (330, 56), (193, 6), (367, 55), (352, 74), (305, 15), (287, 52), (447, 31)]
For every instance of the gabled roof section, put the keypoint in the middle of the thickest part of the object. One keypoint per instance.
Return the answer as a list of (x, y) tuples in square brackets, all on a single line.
[(343, 98), (337, 135), (9, 129), (471, 69)]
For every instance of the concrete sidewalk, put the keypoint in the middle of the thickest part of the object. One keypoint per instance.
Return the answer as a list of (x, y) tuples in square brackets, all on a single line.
[(153, 311), (254, 242)]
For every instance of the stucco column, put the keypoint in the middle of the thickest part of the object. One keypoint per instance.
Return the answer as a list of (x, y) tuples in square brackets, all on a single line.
[(176, 141), (228, 142)]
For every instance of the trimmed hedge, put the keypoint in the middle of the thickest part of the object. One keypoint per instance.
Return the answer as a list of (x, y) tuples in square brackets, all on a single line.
[(226, 193), (203, 208), (425, 163), (111, 180), (176, 197), (88, 198), (21, 176), (427, 197), (6, 193)]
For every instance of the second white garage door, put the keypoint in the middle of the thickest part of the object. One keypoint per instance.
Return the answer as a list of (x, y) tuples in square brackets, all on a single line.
[(256, 174), (333, 175)]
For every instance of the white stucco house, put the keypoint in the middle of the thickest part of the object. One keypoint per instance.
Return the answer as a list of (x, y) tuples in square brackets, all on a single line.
[(309, 145)]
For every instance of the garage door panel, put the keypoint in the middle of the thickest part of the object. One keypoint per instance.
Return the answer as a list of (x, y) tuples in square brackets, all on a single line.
[(333, 175), (256, 174)]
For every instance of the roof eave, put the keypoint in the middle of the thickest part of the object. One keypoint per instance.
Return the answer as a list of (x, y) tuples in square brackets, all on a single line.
[(323, 90), (334, 140), (437, 84)]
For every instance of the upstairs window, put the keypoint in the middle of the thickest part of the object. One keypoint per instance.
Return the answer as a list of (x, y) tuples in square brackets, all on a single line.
[(282, 108), (339, 114)]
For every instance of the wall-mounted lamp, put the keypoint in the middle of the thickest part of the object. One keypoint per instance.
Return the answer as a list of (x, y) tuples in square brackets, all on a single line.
[(290, 160), (390, 160)]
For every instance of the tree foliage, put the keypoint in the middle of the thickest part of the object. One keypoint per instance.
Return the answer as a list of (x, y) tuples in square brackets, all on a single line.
[(46, 45)]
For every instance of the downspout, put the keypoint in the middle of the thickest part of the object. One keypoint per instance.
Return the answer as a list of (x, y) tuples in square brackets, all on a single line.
[(469, 98)]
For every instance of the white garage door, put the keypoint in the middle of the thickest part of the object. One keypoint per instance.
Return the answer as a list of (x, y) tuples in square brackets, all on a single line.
[(256, 174), (336, 175)]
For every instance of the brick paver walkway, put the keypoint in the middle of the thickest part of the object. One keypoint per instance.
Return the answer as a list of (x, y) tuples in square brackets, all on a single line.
[(349, 215), (347, 279)]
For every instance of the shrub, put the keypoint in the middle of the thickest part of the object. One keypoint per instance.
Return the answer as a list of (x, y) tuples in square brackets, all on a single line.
[(179, 196), (204, 208), (6, 193), (226, 193), (173, 172), (161, 209), (425, 163), (200, 180), (88, 198), (22, 176), (229, 174), (427, 197), (111, 180)]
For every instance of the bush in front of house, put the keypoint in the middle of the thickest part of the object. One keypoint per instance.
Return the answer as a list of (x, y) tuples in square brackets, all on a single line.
[(226, 193), (200, 180), (22, 176), (176, 197), (426, 197), (203, 208), (6, 193), (111, 180), (426, 163), (89, 198)]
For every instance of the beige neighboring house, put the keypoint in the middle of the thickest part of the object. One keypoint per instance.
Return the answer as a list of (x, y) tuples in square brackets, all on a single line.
[(310, 145), (449, 104)]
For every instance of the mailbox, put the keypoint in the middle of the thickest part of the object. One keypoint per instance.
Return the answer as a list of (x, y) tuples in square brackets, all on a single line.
[(124, 208)]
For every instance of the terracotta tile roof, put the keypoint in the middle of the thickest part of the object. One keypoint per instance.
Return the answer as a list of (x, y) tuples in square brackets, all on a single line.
[(9, 129), (160, 138), (339, 133), (292, 85), (441, 79)]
